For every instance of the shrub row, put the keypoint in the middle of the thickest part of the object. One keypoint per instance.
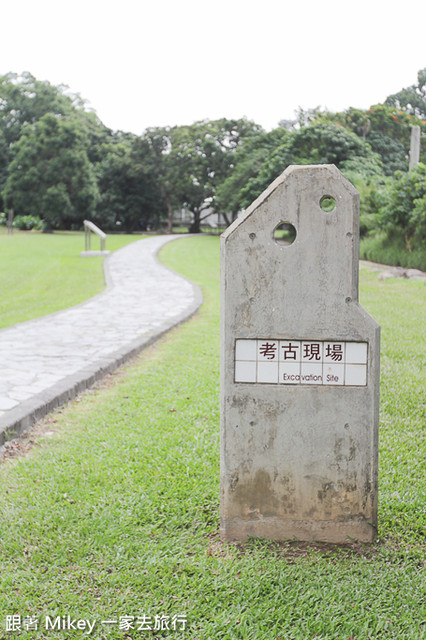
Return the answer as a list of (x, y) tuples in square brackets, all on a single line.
[(392, 250), (24, 223)]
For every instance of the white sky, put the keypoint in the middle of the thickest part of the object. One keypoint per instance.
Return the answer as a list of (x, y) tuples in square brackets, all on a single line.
[(145, 63)]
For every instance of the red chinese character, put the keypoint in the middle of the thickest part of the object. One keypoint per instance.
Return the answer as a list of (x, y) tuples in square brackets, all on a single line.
[(289, 351), (334, 352), (268, 350), (312, 351)]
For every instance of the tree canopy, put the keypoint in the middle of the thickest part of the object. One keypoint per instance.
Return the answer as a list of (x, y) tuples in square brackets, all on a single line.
[(129, 186), (50, 174), (59, 161), (24, 100), (196, 159), (319, 143), (404, 208), (412, 99)]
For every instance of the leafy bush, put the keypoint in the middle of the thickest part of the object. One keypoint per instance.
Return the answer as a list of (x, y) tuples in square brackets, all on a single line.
[(404, 210), (391, 250), (3, 219), (26, 223), (320, 143), (366, 174)]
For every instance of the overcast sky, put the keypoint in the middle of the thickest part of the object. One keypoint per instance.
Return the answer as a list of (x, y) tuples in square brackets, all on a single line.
[(165, 62)]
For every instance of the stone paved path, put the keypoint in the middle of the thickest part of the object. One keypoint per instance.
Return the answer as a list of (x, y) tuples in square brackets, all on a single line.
[(46, 361)]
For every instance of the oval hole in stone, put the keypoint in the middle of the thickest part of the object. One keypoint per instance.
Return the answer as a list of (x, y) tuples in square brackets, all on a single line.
[(327, 204), (284, 233)]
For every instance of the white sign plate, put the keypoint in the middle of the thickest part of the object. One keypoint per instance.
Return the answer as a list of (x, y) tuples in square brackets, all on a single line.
[(270, 361)]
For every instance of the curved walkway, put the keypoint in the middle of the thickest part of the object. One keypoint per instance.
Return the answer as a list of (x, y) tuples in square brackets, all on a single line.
[(47, 361)]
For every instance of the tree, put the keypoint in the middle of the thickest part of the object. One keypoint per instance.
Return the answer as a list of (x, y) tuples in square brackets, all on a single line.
[(411, 99), (386, 128), (199, 159), (392, 152), (404, 211), (367, 176), (98, 138), (50, 175), (389, 135), (24, 100), (160, 161), (130, 190), (249, 159), (4, 163), (319, 143)]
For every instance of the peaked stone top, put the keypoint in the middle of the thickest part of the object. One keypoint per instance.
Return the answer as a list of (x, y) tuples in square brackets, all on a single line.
[(309, 172)]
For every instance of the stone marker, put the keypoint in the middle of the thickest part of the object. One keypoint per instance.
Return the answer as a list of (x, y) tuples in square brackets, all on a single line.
[(414, 147), (299, 367)]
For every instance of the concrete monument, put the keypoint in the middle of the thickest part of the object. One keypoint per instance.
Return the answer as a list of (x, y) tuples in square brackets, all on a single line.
[(414, 147), (299, 367)]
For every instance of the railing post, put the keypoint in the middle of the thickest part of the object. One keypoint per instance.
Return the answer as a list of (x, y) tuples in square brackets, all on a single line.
[(87, 238), (88, 227), (10, 215)]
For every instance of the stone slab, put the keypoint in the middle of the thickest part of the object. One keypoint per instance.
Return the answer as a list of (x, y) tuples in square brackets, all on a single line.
[(297, 460), (94, 253)]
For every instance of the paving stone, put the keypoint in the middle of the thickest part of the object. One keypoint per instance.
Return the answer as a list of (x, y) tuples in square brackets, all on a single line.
[(20, 395), (7, 403)]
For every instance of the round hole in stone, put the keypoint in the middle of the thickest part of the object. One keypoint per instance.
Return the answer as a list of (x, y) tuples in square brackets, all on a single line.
[(327, 204), (284, 233)]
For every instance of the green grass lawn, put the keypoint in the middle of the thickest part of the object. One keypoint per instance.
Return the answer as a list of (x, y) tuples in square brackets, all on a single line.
[(114, 512), (42, 273)]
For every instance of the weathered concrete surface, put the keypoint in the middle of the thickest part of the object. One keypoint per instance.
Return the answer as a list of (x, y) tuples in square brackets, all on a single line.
[(297, 460), (414, 147)]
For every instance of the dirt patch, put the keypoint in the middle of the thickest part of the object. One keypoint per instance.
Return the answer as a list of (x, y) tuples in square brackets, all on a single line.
[(292, 550), (26, 442)]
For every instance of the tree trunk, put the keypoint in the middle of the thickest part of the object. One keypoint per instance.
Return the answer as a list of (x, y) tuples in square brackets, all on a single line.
[(169, 216), (195, 226), (226, 218)]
